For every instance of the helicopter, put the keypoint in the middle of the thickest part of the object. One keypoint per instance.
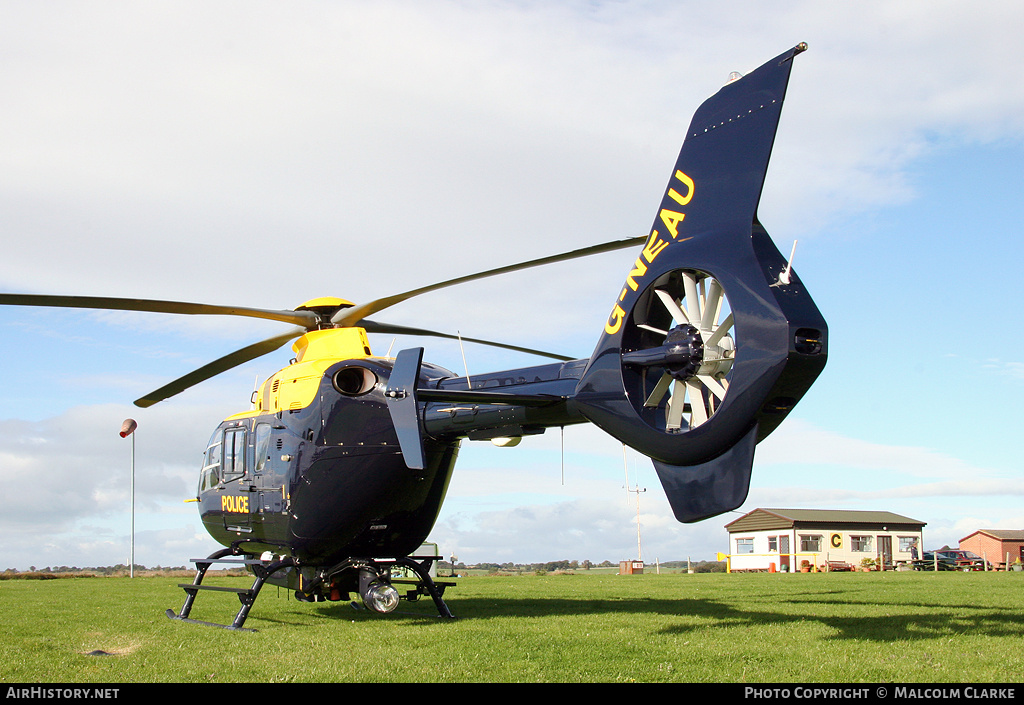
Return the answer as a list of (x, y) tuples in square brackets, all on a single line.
[(333, 479)]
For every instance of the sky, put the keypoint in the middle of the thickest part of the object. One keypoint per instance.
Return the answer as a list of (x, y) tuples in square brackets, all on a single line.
[(263, 154)]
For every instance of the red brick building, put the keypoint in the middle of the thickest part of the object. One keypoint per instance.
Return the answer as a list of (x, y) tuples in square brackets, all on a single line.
[(995, 544)]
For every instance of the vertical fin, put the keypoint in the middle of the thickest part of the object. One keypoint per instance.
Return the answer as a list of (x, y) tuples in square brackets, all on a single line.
[(707, 222)]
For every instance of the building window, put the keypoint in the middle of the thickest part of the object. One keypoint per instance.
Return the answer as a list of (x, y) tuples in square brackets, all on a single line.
[(906, 542), (862, 544), (810, 543), (744, 545), (773, 544)]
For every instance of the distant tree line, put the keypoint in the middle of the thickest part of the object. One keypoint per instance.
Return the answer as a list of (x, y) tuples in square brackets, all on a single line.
[(567, 565), (52, 572), (59, 571)]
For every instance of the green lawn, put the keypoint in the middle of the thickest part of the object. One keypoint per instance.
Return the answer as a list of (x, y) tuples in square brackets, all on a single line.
[(762, 628)]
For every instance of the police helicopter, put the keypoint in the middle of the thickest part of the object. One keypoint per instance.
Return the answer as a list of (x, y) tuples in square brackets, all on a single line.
[(334, 478)]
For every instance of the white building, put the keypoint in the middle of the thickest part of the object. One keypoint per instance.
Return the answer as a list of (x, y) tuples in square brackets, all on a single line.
[(783, 539)]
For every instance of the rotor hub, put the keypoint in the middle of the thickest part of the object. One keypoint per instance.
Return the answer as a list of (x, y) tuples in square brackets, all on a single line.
[(325, 307), (684, 352)]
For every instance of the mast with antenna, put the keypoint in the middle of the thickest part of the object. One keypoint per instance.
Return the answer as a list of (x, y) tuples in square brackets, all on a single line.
[(637, 490)]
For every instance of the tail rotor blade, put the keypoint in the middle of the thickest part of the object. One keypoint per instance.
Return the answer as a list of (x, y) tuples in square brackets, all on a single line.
[(676, 407), (698, 410), (659, 391), (712, 306), (713, 386), (720, 332), (692, 298), (673, 308)]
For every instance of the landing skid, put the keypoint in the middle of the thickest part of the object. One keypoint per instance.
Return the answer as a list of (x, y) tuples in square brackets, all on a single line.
[(247, 596), (327, 579)]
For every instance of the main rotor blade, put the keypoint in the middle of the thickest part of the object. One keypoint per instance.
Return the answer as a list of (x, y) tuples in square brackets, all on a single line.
[(306, 319), (239, 357), (352, 316), (371, 327)]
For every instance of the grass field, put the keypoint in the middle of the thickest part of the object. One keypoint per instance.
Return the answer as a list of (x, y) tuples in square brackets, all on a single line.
[(760, 628)]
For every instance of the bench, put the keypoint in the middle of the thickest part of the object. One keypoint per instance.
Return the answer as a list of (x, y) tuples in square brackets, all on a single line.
[(837, 566)]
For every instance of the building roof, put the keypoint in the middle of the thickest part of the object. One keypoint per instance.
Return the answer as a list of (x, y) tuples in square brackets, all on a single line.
[(761, 519), (1001, 534)]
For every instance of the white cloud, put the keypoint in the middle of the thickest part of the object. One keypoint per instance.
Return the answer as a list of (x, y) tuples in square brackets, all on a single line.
[(798, 442), (75, 466), (247, 154)]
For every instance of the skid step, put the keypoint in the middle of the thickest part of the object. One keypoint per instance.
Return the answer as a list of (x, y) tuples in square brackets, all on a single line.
[(238, 561), (172, 615), (247, 596), (214, 588)]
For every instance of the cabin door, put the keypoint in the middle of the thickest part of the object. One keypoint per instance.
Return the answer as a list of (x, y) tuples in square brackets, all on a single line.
[(236, 501), (267, 474)]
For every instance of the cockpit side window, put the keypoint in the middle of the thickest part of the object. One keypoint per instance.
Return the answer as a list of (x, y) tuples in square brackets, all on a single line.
[(234, 454), (262, 446), (210, 475)]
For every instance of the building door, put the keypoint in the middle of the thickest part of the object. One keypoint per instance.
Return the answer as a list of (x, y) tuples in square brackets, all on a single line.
[(885, 551), (784, 552)]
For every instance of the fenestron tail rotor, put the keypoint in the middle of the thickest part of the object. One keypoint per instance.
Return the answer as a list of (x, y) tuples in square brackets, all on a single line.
[(683, 349)]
